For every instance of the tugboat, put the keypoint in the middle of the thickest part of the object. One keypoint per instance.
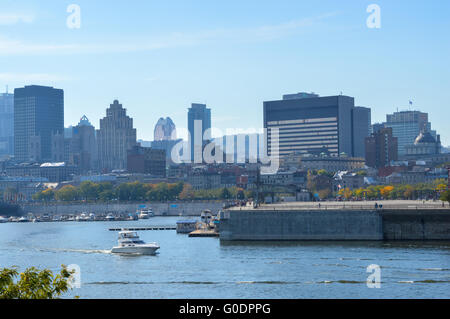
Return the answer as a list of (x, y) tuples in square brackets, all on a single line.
[(130, 243)]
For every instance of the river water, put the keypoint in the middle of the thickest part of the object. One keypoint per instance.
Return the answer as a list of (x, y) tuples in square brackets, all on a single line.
[(205, 268)]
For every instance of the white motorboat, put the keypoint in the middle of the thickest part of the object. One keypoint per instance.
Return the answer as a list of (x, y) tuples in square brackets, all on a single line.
[(110, 217), (130, 243), (146, 214), (3, 220), (23, 220)]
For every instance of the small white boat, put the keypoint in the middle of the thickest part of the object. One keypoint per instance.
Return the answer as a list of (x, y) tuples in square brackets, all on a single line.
[(146, 214), (110, 217), (130, 243), (3, 220), (23, 220)]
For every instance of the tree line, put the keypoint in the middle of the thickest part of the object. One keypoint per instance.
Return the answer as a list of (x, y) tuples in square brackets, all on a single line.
[(137, 191)]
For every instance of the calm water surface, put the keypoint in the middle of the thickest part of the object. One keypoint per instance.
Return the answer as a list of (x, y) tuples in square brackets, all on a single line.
[(205, 268)]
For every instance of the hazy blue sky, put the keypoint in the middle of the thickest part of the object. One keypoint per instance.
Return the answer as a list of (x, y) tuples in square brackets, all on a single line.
[(157, 57)]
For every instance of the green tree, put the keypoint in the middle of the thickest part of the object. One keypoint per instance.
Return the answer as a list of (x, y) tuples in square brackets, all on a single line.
[(67, 193), (445, 196), (33, 283), (89, 190), (45, 196), (187, 192), (225, 194)]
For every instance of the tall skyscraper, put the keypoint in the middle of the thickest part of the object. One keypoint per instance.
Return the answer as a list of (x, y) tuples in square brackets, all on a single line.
[(307, 123), (6, 124), (83, 146), (38, 114), (362, 121), (165, 130), (381, 148), (199, 127), (406, 126), (115, 137)]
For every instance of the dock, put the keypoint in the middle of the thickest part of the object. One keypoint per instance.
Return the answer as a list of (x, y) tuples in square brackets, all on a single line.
[(204, 233), (144, 228)]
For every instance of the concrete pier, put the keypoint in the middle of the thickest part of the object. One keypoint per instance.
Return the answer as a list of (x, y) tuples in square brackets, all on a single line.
[(332, 224)]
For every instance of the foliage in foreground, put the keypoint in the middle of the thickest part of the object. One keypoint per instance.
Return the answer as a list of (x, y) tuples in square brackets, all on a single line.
[(33, 283)]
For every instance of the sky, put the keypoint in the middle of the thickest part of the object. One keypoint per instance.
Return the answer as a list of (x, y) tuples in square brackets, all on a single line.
[(158, 57)]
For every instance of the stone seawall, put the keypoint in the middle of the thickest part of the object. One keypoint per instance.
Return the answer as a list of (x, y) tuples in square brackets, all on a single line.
[(416, 225), (160, 209), (280, 225), (300, 225)]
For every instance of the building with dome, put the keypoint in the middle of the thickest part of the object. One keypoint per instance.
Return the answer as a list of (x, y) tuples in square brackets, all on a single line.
[(425, 144)]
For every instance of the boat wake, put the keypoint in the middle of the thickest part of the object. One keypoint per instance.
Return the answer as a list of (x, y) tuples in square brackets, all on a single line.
[(83, 251)]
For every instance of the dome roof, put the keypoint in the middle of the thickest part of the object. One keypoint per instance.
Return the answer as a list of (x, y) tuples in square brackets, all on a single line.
[(425, 137)]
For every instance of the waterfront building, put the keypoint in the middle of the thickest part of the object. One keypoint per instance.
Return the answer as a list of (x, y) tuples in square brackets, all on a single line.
[(199, 127), (165, 130), (406, 126), (310, 124), (38, 114), (54, 172), (6, 124), (381, 148), (114, 138), (17, 188), (146, 160)]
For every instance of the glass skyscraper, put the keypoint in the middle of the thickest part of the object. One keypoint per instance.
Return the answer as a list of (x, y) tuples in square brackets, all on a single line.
[(406, 126), (38, 115), (6, 124), (199, 127)]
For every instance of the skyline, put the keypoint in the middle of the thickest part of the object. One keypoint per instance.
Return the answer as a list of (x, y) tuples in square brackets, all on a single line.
[(159, 58)]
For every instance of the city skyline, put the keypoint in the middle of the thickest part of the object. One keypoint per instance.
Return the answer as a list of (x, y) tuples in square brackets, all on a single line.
[(143, 56)]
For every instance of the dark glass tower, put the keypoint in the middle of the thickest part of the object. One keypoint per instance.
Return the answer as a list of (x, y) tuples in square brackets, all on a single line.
[(199, 123), (38, 114), (6, 124)]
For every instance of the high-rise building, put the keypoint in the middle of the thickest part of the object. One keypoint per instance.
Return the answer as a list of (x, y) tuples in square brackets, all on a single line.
[(406, 126), (114, 138), (199, 127), (362, 121), (146, 160), (381, 148), (306, 123), (6, 124), (83, 146), (165, 130), (38, 114)]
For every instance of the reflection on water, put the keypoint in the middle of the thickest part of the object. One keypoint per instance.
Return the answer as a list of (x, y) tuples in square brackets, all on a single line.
[(206, 268)]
